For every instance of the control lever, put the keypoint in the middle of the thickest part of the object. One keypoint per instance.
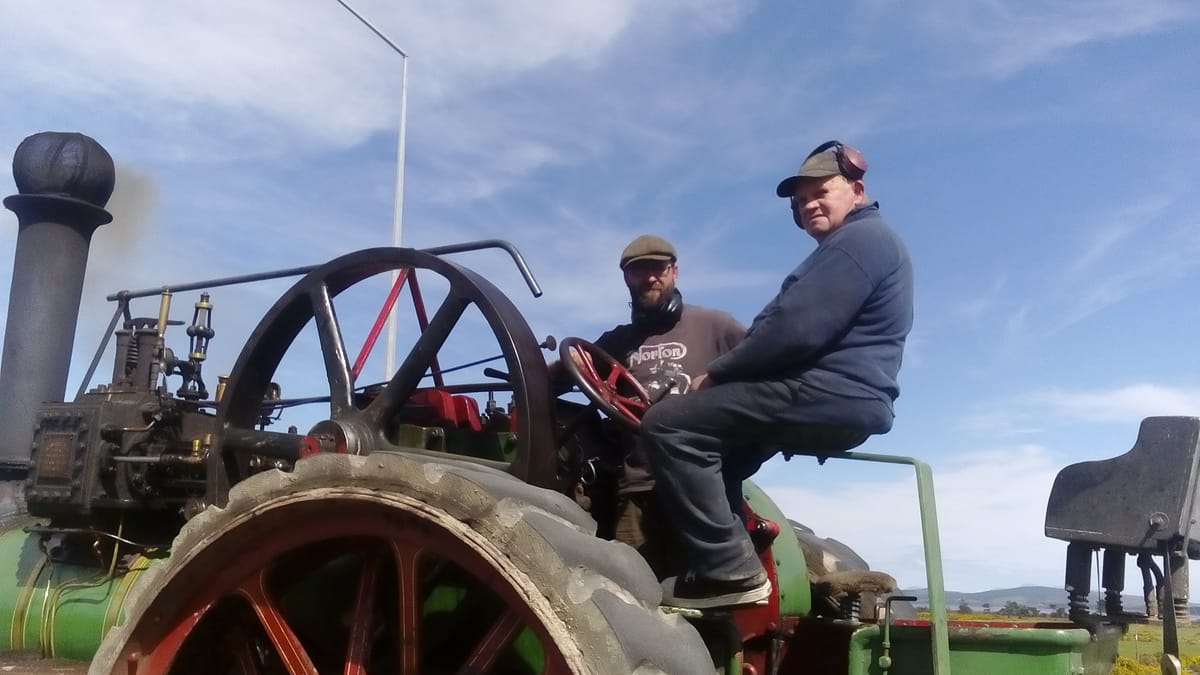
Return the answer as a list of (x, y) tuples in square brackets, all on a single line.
[(498, 374), (549, 344), (885, 661)]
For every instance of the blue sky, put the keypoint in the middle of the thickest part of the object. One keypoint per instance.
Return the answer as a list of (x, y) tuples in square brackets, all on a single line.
[(1036, 156)]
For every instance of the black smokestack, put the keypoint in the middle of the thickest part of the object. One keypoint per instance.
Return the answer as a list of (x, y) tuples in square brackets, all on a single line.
[(64, 181)]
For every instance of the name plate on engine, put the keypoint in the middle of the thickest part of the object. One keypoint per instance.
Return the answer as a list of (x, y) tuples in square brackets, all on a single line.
[(56, 455)]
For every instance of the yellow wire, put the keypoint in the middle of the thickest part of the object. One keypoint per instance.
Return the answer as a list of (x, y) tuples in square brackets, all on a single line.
[(21, 610), (50, 612)]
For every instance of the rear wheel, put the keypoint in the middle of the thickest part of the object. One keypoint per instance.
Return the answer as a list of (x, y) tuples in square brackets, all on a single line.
[(394, 563)]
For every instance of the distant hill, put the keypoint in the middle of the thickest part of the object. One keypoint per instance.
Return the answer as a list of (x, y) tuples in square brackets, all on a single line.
[(1043, 598)]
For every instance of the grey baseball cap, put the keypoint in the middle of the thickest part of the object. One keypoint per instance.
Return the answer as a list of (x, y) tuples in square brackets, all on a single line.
[(820, 165)]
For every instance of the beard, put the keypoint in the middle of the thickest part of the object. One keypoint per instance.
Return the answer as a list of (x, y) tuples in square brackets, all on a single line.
[(652, 296)]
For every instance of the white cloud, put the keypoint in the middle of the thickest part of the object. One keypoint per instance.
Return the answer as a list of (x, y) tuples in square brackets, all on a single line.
[(281, 69), (1003, 37), (1143, 247), (1125, 405), (975, 307), (1122, 254), (991, 514)]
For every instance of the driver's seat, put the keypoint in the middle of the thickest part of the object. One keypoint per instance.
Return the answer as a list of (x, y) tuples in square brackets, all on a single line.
[(822, 440)]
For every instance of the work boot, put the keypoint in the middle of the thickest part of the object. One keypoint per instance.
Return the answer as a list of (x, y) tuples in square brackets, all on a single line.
[(694, 592)]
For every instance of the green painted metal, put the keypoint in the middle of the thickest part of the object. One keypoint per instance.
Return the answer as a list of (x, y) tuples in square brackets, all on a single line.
[(795, 594), (498, 446), (939, 647), (57, 609), (64, 610), (981, 650), (524, 655)]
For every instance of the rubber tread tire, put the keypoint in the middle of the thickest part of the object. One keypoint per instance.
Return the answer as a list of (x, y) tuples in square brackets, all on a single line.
[(599, 599)]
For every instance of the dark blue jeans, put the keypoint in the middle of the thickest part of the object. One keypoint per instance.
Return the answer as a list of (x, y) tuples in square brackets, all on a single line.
[(703, 444)]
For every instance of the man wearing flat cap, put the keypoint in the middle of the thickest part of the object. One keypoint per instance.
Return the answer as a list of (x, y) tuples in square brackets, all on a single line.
[(816, 372), (666, 346)]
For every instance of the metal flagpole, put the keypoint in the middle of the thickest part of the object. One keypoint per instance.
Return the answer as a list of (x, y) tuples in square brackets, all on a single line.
[(398, 212), (389, 361)]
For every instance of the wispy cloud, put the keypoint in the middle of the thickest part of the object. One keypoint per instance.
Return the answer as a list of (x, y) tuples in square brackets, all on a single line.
[(244, 104), (1142, 247), (1139, 249), (1125, 405), (1002, 37), (982, 302), (1121, 405), (262, 66)]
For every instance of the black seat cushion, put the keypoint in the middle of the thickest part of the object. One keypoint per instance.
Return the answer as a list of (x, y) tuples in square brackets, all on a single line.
[(1138, 501)]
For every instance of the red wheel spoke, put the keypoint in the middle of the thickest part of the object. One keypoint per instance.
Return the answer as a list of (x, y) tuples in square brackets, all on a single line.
[(605, 392), (365, 584), (287, 645), (358, 651), (388, 304), (160, 660), (493, 644), (418, 299), (614, 376), (409, 613), (589, 366), (630, 402), (337, 365), (423, 354)]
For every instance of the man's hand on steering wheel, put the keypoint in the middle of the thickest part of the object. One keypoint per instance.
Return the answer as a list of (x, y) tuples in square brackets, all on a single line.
[(605, 382)]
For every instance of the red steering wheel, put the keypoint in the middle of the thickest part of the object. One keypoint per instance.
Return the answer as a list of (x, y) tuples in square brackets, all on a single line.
[(616, 392)]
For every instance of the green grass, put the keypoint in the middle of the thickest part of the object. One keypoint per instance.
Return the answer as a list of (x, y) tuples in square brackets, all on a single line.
[(1146, 640)]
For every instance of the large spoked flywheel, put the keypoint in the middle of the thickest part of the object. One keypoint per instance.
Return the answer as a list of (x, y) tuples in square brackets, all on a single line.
[(361, 426), (394, 563)]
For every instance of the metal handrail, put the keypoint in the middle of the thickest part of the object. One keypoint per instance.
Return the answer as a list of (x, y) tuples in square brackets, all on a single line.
[(938, 618), (122, 298)]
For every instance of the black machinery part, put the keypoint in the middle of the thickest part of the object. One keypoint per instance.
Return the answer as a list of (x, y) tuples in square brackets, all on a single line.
[(310, 299), (1139, 501)]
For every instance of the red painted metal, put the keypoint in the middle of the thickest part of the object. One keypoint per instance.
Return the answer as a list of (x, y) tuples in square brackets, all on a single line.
[(159, 658), (257, 561), (758, 625), (409, 637), (423, 323), (380, 320), (287, 645), (632, 407), (358, 649), (492, 645), (435, 407)]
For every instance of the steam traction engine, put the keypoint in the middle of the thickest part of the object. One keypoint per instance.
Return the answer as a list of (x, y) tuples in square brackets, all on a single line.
[(151, 529)]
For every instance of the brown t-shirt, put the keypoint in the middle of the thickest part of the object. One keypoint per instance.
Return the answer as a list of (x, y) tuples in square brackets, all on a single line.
[(668, 359)]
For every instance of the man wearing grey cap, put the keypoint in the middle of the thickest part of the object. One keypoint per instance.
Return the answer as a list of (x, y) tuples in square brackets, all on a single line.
[(666, 346), (816, 371)]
